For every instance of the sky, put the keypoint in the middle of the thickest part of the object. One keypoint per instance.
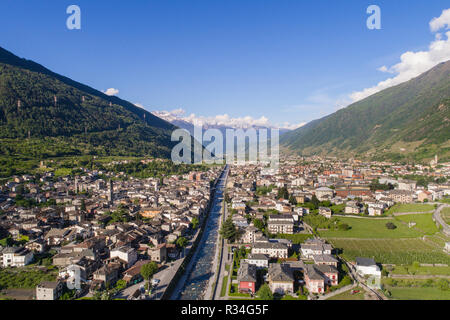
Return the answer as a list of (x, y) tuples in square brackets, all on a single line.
[(278, 62)]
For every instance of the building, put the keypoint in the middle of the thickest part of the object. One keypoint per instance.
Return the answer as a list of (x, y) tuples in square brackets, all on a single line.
[(16, 257), (49, 290), (281, 278), (326, 212), (258, 260), (325, 259), (318, 277), (126, 254), (401, 196), (158, 253), (281, 224), (247, 278), (272, 249), (367, 266), (324, 193), (313, 247)]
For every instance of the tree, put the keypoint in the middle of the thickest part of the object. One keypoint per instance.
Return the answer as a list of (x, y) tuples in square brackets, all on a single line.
[(283, 193), (391, 226), (181, 242), (148, 270), (228, 230), (315, 202), (264, 293), (259, 224), (195, 223), (292, 200)]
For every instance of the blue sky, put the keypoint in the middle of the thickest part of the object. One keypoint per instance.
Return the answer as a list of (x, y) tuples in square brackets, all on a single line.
[(289, 61)]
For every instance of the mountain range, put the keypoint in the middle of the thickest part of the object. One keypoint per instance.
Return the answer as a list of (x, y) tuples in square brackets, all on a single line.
[(44, 114), (409, 122)]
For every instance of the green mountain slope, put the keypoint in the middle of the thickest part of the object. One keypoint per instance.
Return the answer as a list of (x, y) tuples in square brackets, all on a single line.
[(410, 121), (43, 114)]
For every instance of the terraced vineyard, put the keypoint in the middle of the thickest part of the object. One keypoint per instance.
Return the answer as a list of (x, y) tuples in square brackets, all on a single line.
[(391, 251)]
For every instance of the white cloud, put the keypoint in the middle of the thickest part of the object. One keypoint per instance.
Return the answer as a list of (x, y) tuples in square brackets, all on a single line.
[(441, 22), (111, 92), (222, 120), (412, 64)]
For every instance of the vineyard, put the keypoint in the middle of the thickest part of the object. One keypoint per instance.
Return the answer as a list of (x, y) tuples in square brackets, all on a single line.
[(391, 251)]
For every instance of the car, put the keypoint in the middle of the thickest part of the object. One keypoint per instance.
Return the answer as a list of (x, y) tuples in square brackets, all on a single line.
[(155, 282)]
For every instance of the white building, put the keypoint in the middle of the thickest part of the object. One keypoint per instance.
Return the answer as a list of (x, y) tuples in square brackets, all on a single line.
[(16, 257), (367, 266), (126, 254)]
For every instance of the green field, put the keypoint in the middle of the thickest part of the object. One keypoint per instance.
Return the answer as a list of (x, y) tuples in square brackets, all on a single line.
[(418, 293), (445, 214), (418, 270), (410, 207), (391, 251), (348, 296), (371, 228), (424, 222)]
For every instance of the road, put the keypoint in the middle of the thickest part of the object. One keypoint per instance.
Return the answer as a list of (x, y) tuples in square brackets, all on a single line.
[(437, 217)]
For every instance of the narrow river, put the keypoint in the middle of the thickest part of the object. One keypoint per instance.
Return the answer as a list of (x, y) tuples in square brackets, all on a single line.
[(198, 276)]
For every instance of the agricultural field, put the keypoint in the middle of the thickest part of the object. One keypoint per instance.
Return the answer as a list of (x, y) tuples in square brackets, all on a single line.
[(391, 251), (410, 207), (424, 222), (445, 214), (372, 228), (406, 293), (349, 296), (419, 270)]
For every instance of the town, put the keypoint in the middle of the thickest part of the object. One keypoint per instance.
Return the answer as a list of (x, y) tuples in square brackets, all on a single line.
[(320, 228)]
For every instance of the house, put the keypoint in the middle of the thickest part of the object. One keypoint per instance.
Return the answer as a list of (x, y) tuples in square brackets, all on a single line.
[(281, 224), (281, 278), (133, 274), (49, 290), (326, 259), (326, 212), (126, 254), (107, 275), (424, 196), (247, 278), (258, 260), (313, 247), (447, 246), (272, 249), (367, 266), (158, 253), (352, 207), (16, 257), (324, 193), (314, 281), (376, 209), (250, 235)]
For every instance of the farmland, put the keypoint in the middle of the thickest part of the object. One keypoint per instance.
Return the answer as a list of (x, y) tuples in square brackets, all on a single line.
[(424, 222), (412, 293), (410, 207), (373, 228), (391, 251), (445, 213)]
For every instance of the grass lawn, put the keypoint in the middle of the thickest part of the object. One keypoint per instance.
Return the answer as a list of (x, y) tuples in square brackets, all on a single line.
[(366, 228), (348, 296), (445, 214), (421, 270), (418, 293), (392, 251), (424, 222), (224, 286), (26, 277), (410, 207)]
